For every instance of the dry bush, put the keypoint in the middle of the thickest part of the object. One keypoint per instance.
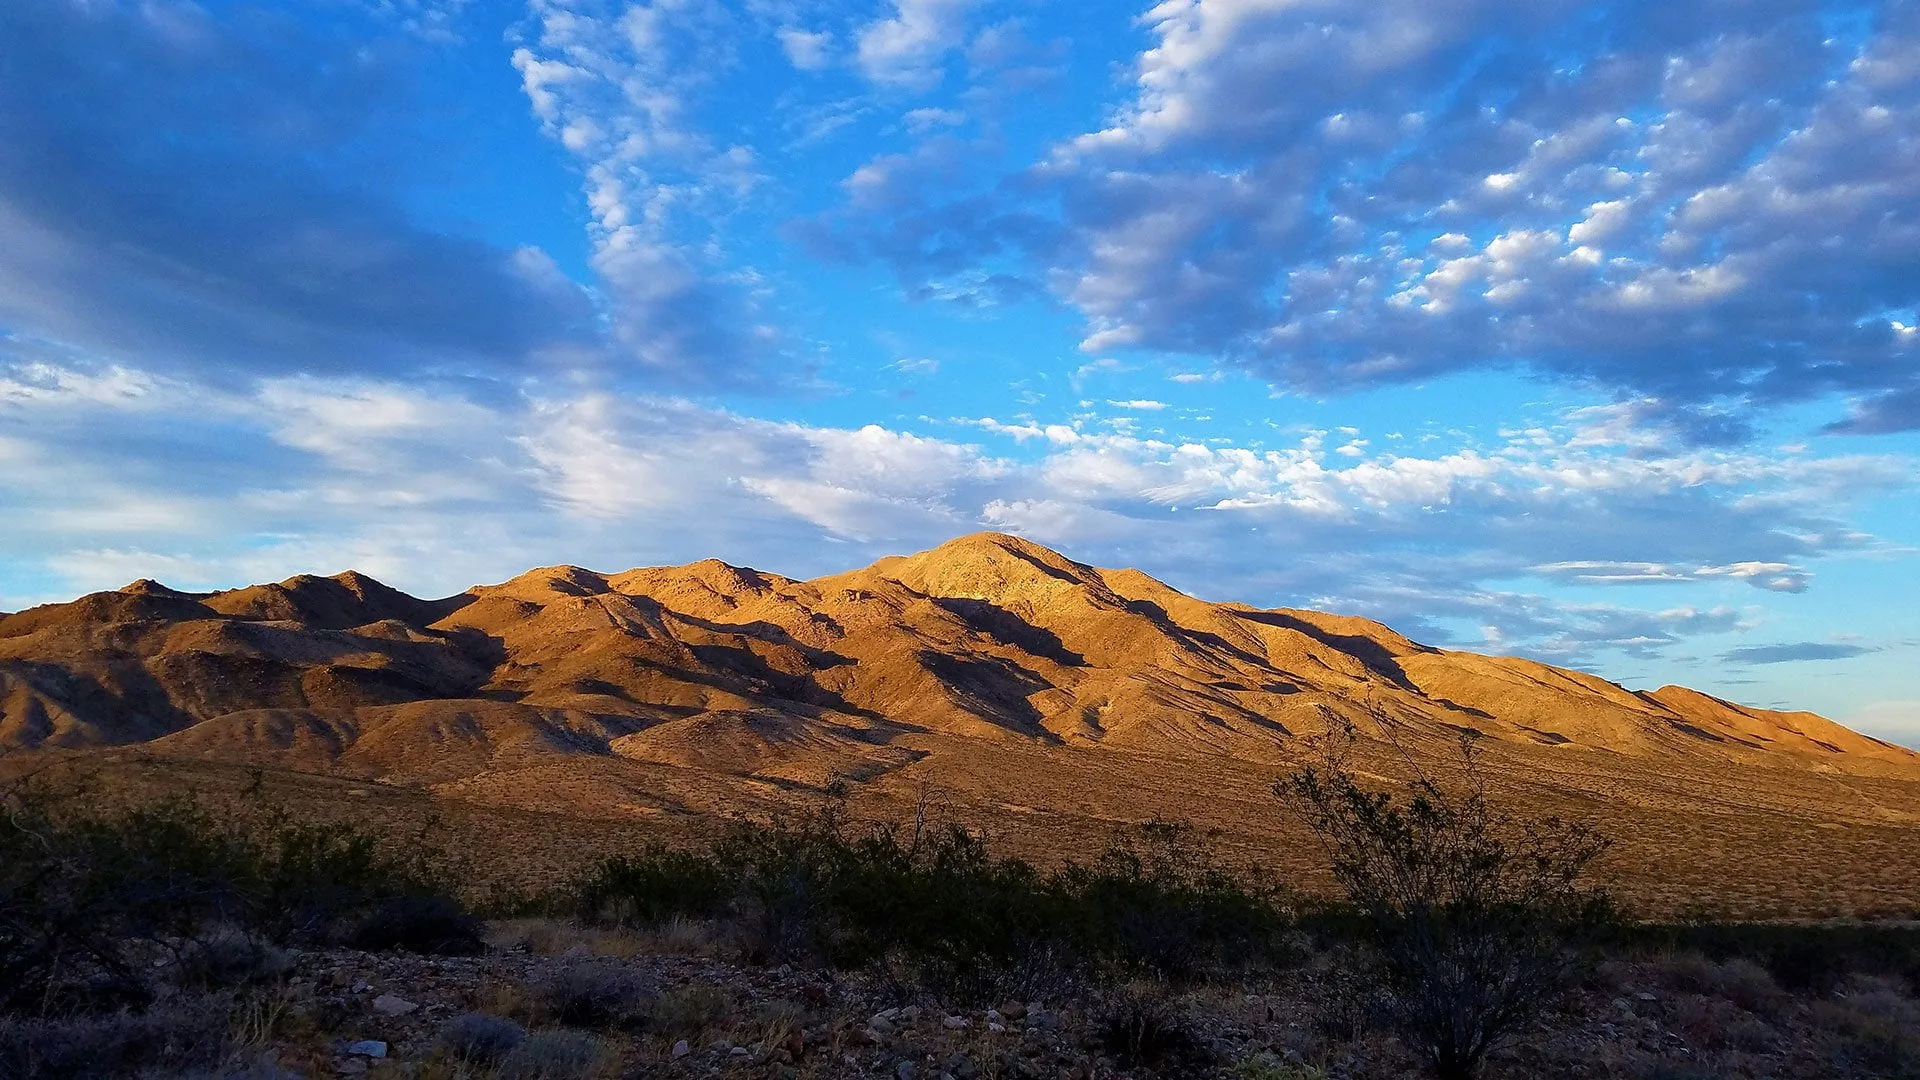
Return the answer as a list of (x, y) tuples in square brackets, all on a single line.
[(187, 1033), (1717, 1024), (1473, 915), (554, 1055), (480, 1039), (591, 991), (1141, 1027), (691, 1011)]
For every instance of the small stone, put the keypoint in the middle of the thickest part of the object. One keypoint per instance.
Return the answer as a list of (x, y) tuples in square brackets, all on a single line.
[(372, 1048), (389, 1005), (739, 1051), (997, 1028), (682, 1048), (910, 1013), (954, 1023), (1645, 996), (903, 1069), (881, 1022)]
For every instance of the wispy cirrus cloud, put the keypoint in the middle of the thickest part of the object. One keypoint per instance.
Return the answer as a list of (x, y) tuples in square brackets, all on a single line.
[(618, 89)]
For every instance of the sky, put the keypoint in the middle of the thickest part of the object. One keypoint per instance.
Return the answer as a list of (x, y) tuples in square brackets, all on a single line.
[(1587, 332)]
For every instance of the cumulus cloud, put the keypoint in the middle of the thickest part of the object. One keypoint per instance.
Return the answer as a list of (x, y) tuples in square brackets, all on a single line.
[(808, 50), (1702, 206), (906, 48)]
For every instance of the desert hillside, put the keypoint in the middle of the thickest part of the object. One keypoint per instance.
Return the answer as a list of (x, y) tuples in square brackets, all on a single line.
[(1044, 695), (986, 637)]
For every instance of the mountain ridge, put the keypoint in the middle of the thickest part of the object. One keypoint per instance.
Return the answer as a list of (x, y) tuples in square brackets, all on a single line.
[(988, 636)]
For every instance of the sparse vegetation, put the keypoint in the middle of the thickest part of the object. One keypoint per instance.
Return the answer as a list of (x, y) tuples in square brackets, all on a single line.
[(479, 1040), (932, 903), (1154, 959), (1475, 919)]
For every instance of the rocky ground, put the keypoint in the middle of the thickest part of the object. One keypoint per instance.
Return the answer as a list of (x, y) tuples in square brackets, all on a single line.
[(549, 1001)]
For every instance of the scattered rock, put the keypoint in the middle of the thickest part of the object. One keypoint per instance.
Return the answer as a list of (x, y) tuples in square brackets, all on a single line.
[(389, 1005), (682, 1049), (372, 1048)]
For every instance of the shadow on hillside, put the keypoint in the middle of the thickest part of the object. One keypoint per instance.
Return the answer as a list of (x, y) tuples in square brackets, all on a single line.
[(1007, 628)]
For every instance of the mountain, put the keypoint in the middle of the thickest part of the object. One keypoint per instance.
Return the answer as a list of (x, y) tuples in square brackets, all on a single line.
[(1042, 697), (986, 637)]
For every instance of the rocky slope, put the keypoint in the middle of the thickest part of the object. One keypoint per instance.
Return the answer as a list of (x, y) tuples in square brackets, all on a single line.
[(716, 667)]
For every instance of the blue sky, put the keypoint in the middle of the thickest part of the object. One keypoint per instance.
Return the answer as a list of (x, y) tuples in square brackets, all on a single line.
[(1582, 331)]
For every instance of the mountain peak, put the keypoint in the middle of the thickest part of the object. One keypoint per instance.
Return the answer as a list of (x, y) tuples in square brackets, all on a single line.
[(150, 587)]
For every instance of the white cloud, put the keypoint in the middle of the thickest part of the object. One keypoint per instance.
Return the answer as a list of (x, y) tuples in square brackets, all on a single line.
[(807, 50), (1714, 207), (619, 93), (906, 49), (431, 487), (921, 121)]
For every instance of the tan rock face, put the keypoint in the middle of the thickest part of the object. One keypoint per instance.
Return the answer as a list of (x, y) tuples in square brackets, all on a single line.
[(710, 666)]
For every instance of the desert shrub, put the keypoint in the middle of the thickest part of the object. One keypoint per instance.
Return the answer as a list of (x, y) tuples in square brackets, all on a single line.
[(1472, 914), (1156, 903), (419, 922), (89, 891), (553, 1055), (1354, 998), (479, 1039), (227, 956), (1267, 1065), (690, 1011), (653, 886), (1717, 1024), (1799, 957), (184, 1034), (1141, 1028), (1873, 1032), (590, 992), (932, 904)]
